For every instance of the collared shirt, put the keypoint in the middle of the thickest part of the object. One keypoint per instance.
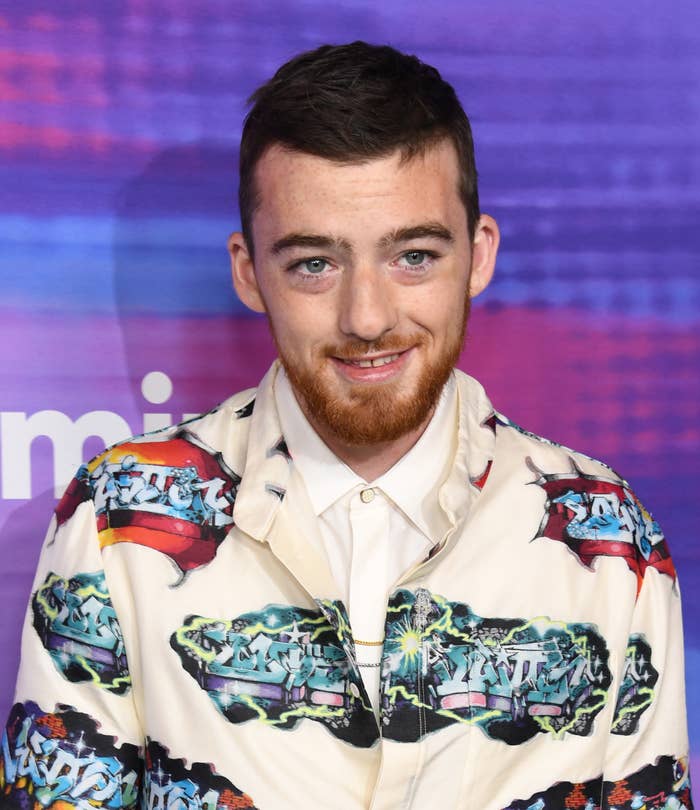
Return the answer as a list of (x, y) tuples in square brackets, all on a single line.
[(185, 642), (372, 533)]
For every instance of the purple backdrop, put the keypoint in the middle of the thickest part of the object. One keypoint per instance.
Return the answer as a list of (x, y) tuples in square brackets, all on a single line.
[(118, 135)]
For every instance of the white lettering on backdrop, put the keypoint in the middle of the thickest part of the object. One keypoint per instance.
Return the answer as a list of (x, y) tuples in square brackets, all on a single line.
[(18, 430)]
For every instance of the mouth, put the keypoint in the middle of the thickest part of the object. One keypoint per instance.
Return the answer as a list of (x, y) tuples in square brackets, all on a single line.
[(371, 362), (372, 368)]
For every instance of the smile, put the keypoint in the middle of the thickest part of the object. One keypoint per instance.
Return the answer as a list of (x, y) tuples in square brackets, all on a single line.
[(373, 362), (380, 368)]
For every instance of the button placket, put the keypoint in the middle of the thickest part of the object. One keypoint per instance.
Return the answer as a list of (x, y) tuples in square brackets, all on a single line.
[(369, 519)]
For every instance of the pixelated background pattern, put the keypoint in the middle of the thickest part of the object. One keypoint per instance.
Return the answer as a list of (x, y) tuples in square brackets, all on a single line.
[(118, 149)]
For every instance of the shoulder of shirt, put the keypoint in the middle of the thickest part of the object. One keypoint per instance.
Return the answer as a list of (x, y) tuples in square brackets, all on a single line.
[(539, 452), (542, 453), (562, 471), (213, 443), (211, 428)]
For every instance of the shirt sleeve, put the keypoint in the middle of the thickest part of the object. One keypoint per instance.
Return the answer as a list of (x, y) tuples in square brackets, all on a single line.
[(73, 737), (646, 764)]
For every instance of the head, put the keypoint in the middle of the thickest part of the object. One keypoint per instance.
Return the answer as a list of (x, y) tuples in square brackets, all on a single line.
[(361, 235)]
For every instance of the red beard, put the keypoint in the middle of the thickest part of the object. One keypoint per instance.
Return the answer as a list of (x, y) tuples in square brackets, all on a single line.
[(377, 412)]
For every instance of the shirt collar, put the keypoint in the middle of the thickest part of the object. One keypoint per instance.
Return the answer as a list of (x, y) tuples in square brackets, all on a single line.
[(412, 483), (326, 477)]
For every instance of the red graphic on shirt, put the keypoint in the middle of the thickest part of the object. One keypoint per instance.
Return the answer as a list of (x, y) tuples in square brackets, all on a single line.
[(480, 480), (77, 492), (175, 496), (205, 787), (490, 422), (599, 517), (661, 785)]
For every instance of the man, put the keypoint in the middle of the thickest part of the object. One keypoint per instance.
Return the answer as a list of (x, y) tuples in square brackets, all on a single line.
[(357, 585)]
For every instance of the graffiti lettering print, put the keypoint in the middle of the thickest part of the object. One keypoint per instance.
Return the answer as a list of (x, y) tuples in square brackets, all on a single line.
[(636, 691), (278, 665), (513, 678), (596, 517), (168, 784), (664, 785), (78, 627), (175, 496), (59, 757)]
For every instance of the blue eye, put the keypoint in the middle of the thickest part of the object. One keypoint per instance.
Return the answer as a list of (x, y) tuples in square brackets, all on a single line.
[(415, 258), (313, 266)]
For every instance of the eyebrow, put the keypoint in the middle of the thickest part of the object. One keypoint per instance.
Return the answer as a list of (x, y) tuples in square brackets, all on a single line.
[(425, 230), (311, 240)]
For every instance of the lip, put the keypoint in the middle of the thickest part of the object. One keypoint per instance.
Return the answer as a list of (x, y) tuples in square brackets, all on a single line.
[(381, 373)]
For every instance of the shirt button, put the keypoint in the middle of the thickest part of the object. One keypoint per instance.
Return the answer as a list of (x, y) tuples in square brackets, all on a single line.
[(367, 495)]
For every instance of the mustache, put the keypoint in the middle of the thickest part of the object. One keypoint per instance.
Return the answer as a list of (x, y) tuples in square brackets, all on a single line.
[(357, 348)]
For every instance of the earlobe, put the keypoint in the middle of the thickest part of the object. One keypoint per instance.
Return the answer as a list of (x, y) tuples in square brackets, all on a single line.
[(245, 281), (484, 250)]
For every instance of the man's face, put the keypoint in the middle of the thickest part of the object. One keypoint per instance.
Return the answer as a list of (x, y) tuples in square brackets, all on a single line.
[(364, 273)]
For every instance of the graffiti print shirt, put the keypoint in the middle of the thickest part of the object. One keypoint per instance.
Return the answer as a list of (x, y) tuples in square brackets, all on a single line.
[(372, 533), (186, 646)]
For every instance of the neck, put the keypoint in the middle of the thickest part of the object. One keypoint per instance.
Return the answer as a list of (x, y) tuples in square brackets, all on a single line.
[(371, 460)]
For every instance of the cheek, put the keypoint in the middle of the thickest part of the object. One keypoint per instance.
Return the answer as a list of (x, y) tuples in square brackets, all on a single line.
[(296, 329), (442, 312)]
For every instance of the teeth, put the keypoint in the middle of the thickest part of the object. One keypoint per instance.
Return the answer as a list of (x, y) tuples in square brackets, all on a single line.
[(380, 361)]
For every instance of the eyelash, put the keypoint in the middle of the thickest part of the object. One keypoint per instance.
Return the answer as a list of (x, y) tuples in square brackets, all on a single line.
[(297, 267)]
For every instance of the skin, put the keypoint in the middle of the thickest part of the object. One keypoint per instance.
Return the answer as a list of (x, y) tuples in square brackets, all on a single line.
[(341, 279)]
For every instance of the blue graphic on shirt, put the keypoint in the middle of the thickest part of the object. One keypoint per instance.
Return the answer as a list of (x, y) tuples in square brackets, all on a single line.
[(52, 759), (636, 691), (514, 678), (78, 627), (278, 665), (168, 783), (663, 785), (442, 664), (599, 517)]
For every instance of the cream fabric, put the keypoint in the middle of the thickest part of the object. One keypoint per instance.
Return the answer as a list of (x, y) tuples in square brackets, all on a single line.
[(374, 532), (186, 644)]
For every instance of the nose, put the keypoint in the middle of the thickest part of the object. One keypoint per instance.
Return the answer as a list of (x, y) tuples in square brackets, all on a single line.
[(367, 306)]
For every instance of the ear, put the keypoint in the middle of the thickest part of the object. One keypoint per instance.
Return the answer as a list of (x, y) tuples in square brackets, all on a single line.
[(484, 250), (243, 272)]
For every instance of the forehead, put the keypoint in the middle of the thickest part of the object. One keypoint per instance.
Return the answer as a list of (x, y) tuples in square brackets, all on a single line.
[(298, 191)]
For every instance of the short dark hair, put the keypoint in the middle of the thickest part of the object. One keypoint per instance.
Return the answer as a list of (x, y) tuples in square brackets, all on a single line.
[(352, 103)]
